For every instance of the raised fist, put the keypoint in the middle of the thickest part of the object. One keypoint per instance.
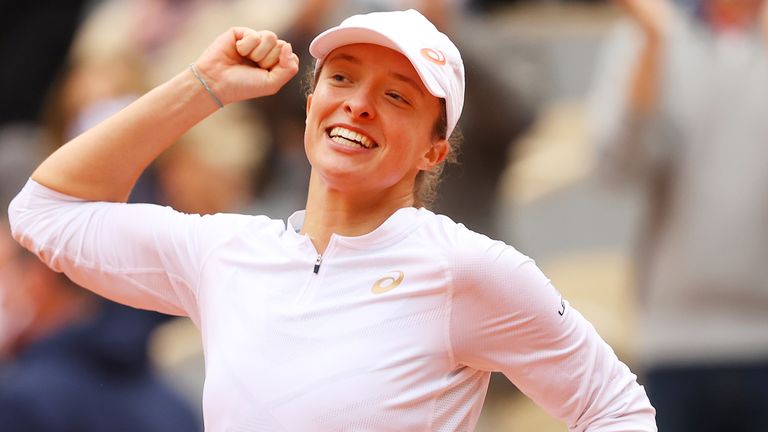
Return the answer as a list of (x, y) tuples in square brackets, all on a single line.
[(243, 64)]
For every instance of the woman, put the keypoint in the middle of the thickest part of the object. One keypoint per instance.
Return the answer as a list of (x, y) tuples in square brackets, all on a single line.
[(362, 313)]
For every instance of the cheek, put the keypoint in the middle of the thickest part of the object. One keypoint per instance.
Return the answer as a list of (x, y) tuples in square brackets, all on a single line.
[(322, 96), (413, 135), (313, 122), (307, 139), (320, 108)]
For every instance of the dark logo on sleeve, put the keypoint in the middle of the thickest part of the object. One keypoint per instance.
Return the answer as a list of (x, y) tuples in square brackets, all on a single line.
[(561, 312)]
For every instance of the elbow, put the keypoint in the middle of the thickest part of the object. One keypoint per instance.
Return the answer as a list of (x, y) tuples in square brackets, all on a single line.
[(15, 214), (18, 218), (629, 410)]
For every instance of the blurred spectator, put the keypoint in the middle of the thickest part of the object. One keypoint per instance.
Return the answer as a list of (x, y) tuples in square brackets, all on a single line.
[(70, 361), (679, 104), (210, 169)]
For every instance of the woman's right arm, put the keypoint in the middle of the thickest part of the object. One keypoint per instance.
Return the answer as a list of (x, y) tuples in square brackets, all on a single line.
[(142, 255), (104, 163)]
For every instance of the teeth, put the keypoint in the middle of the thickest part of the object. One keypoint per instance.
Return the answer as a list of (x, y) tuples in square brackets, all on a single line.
[(344, 136)]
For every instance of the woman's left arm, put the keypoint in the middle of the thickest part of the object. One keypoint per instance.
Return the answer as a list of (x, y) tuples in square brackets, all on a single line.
[(507, 316)]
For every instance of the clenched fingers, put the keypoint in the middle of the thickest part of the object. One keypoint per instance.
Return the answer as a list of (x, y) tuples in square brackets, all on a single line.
[(261, 47), (273, 56), (286, 66)]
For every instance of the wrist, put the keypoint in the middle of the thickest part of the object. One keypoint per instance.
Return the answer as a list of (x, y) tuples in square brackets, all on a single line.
[(204, 83)]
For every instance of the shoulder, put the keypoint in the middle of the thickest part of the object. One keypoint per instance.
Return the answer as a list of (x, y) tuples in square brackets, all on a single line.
[(240, 222), (463, 247), (223, 226), (196, 236)]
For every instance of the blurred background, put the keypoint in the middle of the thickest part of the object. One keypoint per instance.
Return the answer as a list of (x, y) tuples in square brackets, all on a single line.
[(566, 101)]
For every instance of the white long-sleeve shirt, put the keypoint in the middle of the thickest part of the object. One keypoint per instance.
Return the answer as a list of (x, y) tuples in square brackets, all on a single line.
[(395, 330)]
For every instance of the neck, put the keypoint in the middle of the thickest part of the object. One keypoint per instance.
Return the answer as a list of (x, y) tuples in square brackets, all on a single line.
[(330, 211)]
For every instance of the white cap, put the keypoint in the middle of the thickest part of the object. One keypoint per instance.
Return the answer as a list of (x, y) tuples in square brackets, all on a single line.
[(435, 58)]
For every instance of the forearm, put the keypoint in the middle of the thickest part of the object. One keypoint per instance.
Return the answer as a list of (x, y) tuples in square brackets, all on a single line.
[(644, 90), (653, 18), (104, 163)]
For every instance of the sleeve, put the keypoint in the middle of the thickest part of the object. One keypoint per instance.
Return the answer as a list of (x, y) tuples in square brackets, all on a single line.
[(508, 317), (141, 255), (623, 139)]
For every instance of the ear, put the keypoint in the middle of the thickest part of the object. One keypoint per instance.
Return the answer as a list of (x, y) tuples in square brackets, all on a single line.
[(435, 155), (309, 102)]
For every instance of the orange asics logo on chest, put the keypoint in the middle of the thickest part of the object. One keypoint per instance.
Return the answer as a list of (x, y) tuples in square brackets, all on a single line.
[(388, 283), (433, 55)]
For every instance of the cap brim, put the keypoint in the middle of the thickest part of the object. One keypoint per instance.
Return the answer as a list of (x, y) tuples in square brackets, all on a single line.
[(331, 39)]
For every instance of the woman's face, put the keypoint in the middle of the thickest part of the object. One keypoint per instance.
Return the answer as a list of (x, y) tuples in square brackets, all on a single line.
[(370, 122)]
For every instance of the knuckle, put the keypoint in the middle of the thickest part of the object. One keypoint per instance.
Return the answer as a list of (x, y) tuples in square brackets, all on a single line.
[(269, 36)]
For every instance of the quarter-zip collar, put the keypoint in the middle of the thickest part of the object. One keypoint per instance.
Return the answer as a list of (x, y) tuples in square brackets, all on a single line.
[(397, 226)]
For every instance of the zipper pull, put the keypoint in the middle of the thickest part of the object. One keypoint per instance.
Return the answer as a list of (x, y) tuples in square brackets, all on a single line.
[(317, 263)]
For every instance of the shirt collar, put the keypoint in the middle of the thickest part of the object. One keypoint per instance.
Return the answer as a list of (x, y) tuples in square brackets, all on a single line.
[(399, 224)]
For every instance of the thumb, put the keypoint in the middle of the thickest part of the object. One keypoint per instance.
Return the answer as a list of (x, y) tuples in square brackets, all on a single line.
[(286, 68)]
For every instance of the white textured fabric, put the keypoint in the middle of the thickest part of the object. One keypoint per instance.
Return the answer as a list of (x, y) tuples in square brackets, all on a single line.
[(398, 330)]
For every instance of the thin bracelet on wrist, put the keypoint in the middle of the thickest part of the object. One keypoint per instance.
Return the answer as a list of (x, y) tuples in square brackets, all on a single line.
[(199, 77)]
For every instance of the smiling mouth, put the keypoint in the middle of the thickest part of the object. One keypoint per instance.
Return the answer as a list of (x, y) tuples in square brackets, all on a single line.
[(350, 138)]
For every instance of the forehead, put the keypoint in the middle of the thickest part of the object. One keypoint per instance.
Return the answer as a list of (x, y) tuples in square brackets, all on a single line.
[(375, 58), (373, 53)]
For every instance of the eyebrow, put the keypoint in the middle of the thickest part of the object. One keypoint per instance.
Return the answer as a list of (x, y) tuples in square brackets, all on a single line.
[(398, 76), (407, 80)]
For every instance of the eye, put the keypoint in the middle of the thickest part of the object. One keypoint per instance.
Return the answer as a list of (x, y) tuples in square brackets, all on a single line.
[(339, 78), (398, 97)]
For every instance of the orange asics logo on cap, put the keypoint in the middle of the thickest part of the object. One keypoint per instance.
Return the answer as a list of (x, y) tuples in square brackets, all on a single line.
[(433, 55)]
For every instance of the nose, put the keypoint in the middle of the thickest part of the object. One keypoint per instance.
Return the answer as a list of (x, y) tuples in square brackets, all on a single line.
[(360, 105)]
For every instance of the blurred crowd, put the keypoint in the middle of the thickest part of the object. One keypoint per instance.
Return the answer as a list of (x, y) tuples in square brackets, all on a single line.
[(666, 105)]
